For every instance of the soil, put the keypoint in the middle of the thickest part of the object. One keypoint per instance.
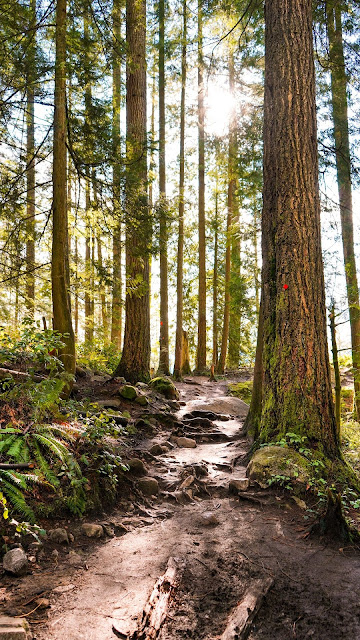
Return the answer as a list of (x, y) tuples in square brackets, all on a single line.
[(316, 583)]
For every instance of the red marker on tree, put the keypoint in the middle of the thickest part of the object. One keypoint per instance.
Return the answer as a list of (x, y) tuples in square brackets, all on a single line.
[(285, 286)]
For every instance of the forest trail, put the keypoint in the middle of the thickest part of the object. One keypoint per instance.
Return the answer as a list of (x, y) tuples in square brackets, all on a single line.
[(223, 544)]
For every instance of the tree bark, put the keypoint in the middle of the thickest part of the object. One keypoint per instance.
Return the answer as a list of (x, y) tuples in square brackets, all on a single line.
[(30, 163), (60, 258), (116, 315), (343, 166), (297, 393), (135, 359), (164, 312), (336, 367), (201, 347), (215, 356), (180, 252)]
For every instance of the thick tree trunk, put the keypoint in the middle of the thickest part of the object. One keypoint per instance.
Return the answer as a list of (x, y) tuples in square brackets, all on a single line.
[(60, 258), (135, 359), (116, 315), (297, 392), (89, 321), (30, 164), (253, 418), (343, 167), (104, 314), (201, 347), (180, 252), (215, 356), (164, 312)]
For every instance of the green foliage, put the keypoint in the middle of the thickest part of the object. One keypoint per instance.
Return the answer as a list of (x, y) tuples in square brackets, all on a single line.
[(13, 486), (98, 357), (242, 390), (33, 350)]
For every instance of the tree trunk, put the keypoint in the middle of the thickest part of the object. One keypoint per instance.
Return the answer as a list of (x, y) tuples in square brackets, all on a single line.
[(89, 324), (336, 368), (297, 394), (201, 347), (104, 315), (253, 418), (343, 167), (135, 359), (180, 253), (164, 312), (30, 164), (185, 355), (60, 259), (215, 356), (116, 316)]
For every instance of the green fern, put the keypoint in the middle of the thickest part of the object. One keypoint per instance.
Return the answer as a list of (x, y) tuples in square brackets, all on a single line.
[(13, 485)]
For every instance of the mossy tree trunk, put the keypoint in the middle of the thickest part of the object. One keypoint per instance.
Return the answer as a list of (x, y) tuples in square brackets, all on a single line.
[(134, 364), (60, 258), (343, 166), (30, 162), (334, 350), (215, 355), (201, 346), (297, 392), (180, 251)]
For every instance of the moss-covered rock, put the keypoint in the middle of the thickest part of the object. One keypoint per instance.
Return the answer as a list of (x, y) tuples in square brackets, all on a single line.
[(242, 390), (128, 392), (142, 401), (166, 387), (269, 462)]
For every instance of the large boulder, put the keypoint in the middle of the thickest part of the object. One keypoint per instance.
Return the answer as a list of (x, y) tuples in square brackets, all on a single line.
[(272, 461), (15, 561), (221, 405), (148, 486), (166, 387)]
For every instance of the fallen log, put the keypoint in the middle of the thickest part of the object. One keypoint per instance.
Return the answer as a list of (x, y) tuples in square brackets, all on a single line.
[(241, 619), (16, 465), (155, 610), (20, 376)]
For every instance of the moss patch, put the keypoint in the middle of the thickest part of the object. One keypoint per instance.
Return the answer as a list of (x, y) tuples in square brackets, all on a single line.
[(274, 461), (165, 387), (242, 390)]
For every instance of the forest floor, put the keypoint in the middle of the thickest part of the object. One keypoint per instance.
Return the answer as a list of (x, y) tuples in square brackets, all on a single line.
[(226, 548)]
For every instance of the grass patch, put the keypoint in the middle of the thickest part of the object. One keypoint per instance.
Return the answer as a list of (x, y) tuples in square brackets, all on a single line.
[(242, 390)]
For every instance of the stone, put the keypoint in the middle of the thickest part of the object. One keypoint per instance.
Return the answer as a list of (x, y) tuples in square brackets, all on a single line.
[(128, 392), (15, 561), (137, 467), (13, 628), (271, 461), (92, 530), (142, 401), (156, 450), (110, 403), (221, 405), (59, 536), (187, 443), (148, 486), (141, 385), (75, 559), (209, 519), (242, 484), (166, 387), (108, 529)]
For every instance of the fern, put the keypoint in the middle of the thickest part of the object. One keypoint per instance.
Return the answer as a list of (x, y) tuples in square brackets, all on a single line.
[(12, 486)]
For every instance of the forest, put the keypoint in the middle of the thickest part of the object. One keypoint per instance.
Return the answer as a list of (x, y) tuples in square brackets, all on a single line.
[(180, 319)]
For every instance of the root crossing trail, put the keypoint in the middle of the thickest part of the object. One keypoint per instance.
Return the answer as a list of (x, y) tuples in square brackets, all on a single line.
[(200, 562)]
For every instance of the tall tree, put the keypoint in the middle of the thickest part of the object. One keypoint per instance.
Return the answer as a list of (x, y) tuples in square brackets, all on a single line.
[(339, 101), (201, 346), (296, 393), (60, 247), (116, 315), (134, 364), (180, 252), (164, 302), (30, 160)]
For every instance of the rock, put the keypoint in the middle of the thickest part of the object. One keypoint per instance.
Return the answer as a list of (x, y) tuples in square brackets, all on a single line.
[(156, 450), (108, 529), (92, 530), (141, 385), (64, 588), (268, 462), (15, 561), (148, 486), (187, 443), (110, 403), (120, 380), (13, 628), (239, 485), (71, 537), (75, 559), (59, 536), (142, 401), (164, 448), (42, 603), (209, 519), (137, 467), (128, 392), (165, 386), (220, 405)]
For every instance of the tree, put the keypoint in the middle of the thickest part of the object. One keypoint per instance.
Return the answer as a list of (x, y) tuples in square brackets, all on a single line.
[(60, 278), (296, 394), (339, 102), (134, 364), (30, 160), (180, 251), (201, 347)]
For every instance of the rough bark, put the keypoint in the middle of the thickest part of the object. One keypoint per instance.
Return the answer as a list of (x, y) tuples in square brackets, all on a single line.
[(135, 359), (116, 314), (253, 418), (215, 355), (30, 163), (163, 240), (297, 392), (180, 251), (334, 350), (201, 346), (59, 269), (343, 167)]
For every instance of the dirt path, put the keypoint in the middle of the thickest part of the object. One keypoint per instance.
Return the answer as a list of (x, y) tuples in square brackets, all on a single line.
[(315, 591)]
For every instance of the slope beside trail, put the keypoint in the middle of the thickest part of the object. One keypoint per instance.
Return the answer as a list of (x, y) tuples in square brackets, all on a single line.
[(224, 543)]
